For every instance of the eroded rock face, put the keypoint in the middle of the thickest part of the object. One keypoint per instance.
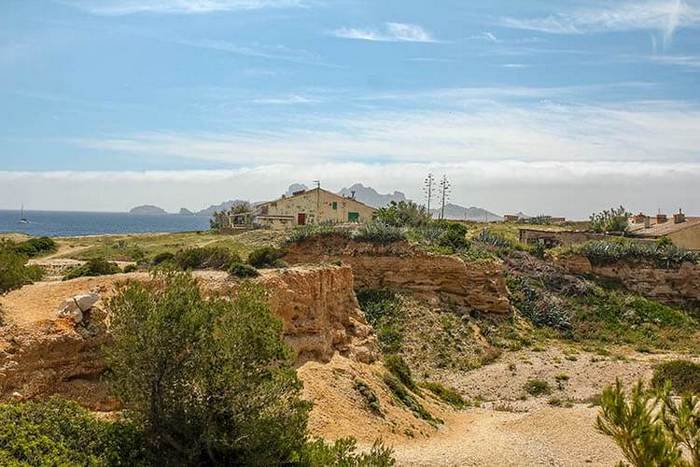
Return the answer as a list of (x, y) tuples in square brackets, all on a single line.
[(470, 286), (679, 286), (59, 355)]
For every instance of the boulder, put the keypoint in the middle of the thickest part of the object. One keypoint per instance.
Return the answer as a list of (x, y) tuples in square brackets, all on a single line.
[(73, 308)]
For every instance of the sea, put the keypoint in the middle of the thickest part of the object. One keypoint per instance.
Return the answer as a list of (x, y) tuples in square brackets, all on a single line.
[(69, 224)]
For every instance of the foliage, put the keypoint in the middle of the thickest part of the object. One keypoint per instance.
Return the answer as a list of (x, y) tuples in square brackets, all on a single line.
[(662, 254), (266, 257), (454, 235), (342, 453), (378, 232), (36, 247), (208, 257), (210, 379), (651, 430), (399, 368), (446, 394), (94, 267), (612, 220), (403, 214), (14, 272), (683, 376), (499, 241), (164, 257), (305, 232), (383, 311), (403, 395), (243, 270), (59, 432), (369, 396), (130, 268), (537, 306), (537, 387)]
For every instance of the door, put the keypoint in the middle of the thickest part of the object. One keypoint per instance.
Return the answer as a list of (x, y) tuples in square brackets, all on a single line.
[(301, 218), (353, 216)]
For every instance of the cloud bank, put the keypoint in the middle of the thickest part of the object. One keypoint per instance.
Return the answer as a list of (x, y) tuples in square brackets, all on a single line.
[(392, 32)]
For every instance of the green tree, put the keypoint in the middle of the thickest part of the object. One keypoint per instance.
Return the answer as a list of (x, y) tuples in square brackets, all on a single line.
[(210, 380), (14, 272), (403, 214)]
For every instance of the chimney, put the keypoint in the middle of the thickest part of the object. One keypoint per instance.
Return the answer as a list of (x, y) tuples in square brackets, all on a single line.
[(352, 194), (647, 222), (679, 217), (661, 218)]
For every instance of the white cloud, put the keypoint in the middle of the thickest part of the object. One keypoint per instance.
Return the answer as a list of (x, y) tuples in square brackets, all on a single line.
[(664, 16), (392, 32), (127, 7), (278, 52)]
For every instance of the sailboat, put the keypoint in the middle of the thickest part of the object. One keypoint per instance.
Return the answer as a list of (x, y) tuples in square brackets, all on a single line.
[(22, 219)]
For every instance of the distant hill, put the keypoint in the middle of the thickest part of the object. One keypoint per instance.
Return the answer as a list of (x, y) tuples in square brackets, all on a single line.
[(225, 206), (455, 211), (294, 187), (370, 196), (185, 212), (148, 210)]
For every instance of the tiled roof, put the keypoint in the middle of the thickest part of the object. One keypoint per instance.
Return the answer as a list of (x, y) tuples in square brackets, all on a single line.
[(665, 228)]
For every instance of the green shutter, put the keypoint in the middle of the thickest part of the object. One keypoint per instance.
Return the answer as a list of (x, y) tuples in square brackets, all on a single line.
[(353, 216), (335, 205)]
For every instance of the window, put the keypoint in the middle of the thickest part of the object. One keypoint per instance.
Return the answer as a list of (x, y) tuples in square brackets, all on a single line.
[(335, 205), (353, 217)]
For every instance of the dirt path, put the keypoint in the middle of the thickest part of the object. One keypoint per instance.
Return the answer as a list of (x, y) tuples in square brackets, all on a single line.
[(479, 437)]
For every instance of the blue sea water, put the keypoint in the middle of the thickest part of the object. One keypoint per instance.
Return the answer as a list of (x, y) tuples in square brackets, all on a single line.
[(64, 223)]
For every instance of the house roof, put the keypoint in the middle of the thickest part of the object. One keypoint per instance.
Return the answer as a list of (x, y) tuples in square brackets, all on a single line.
[(301, 193), (666, 228)]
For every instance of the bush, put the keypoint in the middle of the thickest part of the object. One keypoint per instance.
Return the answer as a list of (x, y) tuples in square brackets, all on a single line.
[(446, 394), (403, 214), (537, 387), (376, 232), (59, 432), (497, 240), (299, 234), (266, 257), (243, 270), (613, 220), (383, 311), (130, 268), (683, 375), (161, 258), (662, 254), (342, 453), (399, 368), (94, 267), (454, 236), (169, 340), (13, 271), (369, 396), (651, 430), (402, 394), (537, 306), (206, 258), (36, 247)]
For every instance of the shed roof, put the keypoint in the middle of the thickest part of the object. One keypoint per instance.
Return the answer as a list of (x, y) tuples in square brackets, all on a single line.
[(665, 228)]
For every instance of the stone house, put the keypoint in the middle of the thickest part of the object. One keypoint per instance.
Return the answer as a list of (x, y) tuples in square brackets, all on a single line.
[(683, 231), (311, 207)]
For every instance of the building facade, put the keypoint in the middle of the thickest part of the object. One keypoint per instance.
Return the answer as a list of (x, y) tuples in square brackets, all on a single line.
[(311, 207)]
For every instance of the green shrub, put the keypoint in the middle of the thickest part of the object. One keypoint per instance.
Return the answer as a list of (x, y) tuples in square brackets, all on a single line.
[(402, 394), (369, 396), (399, 368), (130, 268), (302, 233), (601, 252), (94, 267), (161, 258), (683, 375), (36, 247), (342, 453), (59, 432), (535, 305), (446, 394), (403, 214), (169, 340), (266, 257), (206, 258), (651, 430), (14, 273), (613, 220), (537, 387), (495, 239), (377, 232), (243, 270), (383, 311)]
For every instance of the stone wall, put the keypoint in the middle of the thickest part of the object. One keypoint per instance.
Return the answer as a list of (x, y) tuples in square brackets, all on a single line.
[(476, 286), (679, 286)]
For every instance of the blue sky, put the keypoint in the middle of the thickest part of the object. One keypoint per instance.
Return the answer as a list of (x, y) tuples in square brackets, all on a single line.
[(556, 106)]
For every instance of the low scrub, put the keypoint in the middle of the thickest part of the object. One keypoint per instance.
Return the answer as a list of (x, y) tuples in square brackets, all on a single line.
[(36, 247), (536, 305), (59, 432), (380, 233), (537, 387), (206, 258), (663, 254), (651, 429), (94, 267), (682, 375), (243, 271), (14, 272), (383, 311), (448, 395), (163, 258), (399, 368), (300, 234), (403, 395), (369, 396), (266, 257), (343, 453), (499, 241)]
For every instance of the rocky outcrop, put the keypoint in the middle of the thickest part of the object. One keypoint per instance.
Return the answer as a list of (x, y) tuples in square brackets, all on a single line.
[(677, 286), (57, 353), (476, 286)]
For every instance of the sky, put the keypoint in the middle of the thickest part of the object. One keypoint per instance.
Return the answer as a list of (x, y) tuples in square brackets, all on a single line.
[(560, 107)]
